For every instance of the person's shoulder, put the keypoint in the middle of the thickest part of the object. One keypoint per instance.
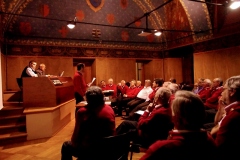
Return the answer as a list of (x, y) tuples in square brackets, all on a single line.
[(81, 110), (107, 109)]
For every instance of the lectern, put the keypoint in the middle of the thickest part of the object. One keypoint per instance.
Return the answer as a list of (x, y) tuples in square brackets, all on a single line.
[(49, 105), (47, 91)]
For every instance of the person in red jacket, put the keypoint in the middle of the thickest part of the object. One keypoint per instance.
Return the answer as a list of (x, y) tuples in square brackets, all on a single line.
[(79, 83), (113, 87), (154, 124), (122, 88), (215, 93), (103, 85), (211, 104), (187, 141), (157, 83), (205, 92), (130, 95), (93, 122), (227, 138)]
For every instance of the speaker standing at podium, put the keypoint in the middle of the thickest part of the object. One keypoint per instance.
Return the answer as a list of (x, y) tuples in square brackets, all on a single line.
[(79, 83)]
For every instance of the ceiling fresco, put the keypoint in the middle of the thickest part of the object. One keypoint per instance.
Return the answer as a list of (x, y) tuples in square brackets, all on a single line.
[(118, 22)]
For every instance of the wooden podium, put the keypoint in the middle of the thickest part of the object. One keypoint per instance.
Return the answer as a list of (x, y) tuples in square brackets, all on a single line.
[(47, 91), (49, 105)]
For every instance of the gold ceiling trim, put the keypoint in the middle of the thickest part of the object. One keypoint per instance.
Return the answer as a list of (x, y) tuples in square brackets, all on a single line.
[(208, 23), (158, 17), (15, 7), (189, 19), (156, 14), (145, 10), (95, 9)]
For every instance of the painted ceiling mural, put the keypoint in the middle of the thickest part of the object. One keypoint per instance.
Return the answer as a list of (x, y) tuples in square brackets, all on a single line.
[(105, 21)]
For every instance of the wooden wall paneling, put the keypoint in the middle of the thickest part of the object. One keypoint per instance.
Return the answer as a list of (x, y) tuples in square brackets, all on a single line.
[(93, 71), (154, 69), (3, 67), (173, 68), (54, 65), (222, 63), (118, 69), (187, 67)]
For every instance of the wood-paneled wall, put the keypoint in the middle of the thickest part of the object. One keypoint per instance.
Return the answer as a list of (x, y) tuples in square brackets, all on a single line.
[(173, 68), (54, 66), (164, 68), (117, 69), (154, 69), (101, 68), (3, 63), (222, 63)]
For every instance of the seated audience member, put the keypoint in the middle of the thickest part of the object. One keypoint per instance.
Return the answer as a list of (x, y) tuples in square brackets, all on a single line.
[(187, 141), (111, 86), (173, 80), (93, 122), (157, 83), (204, 93), (227, 138), (139, 84), (199, 86), (130, 95), (165, 84), (213, 127), (211, 104), (29, 71), (41, 70), (215, 93), (128, 84), (173, 87), (122, 88), (141, 97), (103, 85), (154, 124)]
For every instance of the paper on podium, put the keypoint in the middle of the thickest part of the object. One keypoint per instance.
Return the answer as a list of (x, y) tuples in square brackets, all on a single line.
[(140, 112)]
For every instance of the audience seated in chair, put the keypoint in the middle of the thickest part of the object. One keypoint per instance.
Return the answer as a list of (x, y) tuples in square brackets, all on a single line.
[(141, 96), (227, 138), (187, 141), (215, 93), (198, 86), (211, 104), (130, 95), (154, 124), (204, 93), (157, 83), (93, 122)]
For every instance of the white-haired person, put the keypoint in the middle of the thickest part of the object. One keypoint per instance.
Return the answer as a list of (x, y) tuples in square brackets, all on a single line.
[(187, 140), (227, 138), (205, 92), (154, 124)]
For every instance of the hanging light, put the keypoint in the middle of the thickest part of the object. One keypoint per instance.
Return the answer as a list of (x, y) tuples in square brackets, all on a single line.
[(157, 33), (234, 4), (72, 24)]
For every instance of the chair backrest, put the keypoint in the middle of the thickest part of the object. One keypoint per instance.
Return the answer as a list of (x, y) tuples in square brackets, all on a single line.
[(19, 82), (111, 148)]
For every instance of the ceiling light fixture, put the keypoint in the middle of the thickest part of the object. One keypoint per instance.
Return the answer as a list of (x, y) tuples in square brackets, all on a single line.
[(72, 24), (146, 31), (157, 32), (233, 4)]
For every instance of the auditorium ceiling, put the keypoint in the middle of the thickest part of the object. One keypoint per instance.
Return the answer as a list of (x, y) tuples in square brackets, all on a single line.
[(115, 23)]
